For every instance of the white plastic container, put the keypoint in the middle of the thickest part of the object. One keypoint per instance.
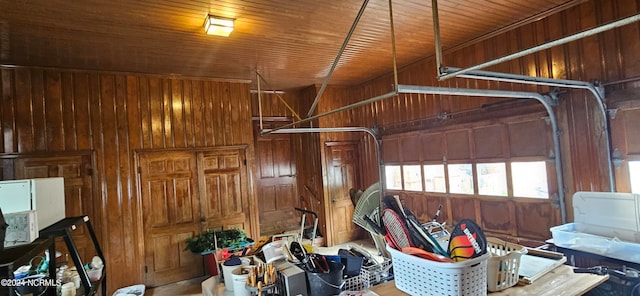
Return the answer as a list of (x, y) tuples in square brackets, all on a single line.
[(226, 272), (418, 276), (239, 278), (502, 267), (606, 223)]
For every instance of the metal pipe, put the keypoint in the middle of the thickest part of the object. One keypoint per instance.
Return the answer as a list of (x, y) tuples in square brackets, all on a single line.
[(344, 108), (597, 93), (369, 131), (282, 100), (545, 100), (436, 34), (560, 41), (259, 100), (393, 46), (337, 59)]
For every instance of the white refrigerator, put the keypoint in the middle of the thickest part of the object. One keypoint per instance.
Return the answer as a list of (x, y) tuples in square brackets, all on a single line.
[(45, 196)]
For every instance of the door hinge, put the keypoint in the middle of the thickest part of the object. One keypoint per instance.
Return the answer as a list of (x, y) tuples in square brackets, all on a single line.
[(139, 170), (245, 162), (89, 172), (146, 270)]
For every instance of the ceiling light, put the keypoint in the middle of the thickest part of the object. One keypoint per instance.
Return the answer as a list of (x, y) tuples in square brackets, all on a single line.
[(219, 26)]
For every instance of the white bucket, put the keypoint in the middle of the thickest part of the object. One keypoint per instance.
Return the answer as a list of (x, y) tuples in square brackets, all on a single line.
[(240, 280), (226, 273)]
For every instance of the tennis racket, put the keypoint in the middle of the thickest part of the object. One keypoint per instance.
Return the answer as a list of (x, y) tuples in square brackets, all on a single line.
[(467, 241), (396, 228)]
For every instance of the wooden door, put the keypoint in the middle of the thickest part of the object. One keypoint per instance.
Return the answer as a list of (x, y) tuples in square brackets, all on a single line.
[(171, 214), (224, 184), (342, 174), (78, 192), (277, 190)]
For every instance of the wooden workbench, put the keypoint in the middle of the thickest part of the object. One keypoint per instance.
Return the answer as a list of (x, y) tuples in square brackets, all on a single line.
[(559, 281)]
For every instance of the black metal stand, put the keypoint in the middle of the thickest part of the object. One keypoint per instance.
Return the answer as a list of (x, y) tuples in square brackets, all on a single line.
[(63, 228)]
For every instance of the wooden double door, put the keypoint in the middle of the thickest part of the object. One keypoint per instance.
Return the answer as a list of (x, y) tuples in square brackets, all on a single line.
[(184, 193)]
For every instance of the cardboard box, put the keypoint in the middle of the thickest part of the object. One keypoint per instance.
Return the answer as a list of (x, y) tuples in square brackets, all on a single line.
[(22, 229)]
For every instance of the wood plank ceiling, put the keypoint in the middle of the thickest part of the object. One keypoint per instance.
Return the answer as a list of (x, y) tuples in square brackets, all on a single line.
[(291, 43)]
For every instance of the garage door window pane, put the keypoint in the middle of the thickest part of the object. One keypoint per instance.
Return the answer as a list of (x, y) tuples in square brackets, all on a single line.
[(492, 179), (530, 179), (460, 178), (412, 177), (393, 176), (634, 176), (434, 179)]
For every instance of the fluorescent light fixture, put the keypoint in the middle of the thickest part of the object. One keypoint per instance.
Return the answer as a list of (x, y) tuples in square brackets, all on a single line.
[(219, 26)]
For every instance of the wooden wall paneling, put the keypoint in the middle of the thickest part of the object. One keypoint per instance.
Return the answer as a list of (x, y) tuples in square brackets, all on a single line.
[(410, 148), (168, 136), (543, 57), (211, 134), (128, 136), (112, 115), (24, 134), (591, 55), (371, 165), (534, 219), (585, 142), (225, 115), (526, 38), (628, 47), (609, 43), (479, 56), (111, 153), (156, 113), (425, 205), (53, 113), (243, 114), (526, 138), (187, 102), (68, 112), (137, 116), (7, 108), (631, 119), (432, 146), (197, 109), (409, 99), (177, 109), (557, 64), (417, 100), (457, 145), (506, 44), (38, 108), (462, 208), (490, 141), (391, 150), (619, 146), (497, 215)]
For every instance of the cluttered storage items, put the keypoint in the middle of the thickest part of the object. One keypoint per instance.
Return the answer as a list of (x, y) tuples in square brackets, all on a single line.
[(410, 257), (290, 264)]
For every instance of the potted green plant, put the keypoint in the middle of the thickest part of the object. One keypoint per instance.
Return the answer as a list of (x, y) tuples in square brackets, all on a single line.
[(206, 242), (203, 243)]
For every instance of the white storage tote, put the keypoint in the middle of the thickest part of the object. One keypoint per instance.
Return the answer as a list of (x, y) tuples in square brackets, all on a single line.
[(418, 276), (502, 267)]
